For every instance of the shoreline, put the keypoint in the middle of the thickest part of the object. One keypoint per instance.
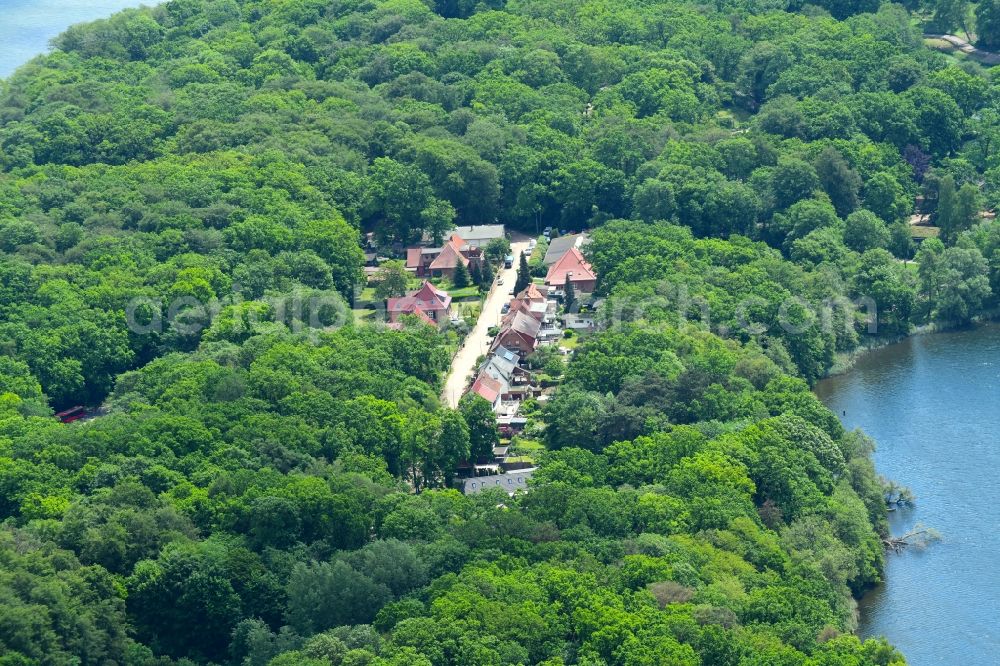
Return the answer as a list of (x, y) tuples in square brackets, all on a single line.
[(844, 362)]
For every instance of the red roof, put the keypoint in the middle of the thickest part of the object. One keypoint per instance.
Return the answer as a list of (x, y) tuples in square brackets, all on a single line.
[(413, 257), (432, 297), (531, 293), (532, 309), (450, 256), (570, 263), (487, 387), (426, 299), (415, 312)]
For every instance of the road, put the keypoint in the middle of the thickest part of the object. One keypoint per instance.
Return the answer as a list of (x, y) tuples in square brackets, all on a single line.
[(477, 342)]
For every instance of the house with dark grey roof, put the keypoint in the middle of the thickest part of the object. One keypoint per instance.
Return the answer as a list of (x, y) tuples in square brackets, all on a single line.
[(511, 482), (518, 333), (560, 246), (480, 235)]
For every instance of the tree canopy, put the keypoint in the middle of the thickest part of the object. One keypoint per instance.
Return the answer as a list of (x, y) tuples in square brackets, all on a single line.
[(184, 192)]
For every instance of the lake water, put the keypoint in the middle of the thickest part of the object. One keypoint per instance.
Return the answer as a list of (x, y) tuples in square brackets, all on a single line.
[(933, 405), (26, 26)]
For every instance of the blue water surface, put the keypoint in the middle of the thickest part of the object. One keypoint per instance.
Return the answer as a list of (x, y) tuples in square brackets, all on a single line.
[(933, 405), (27, 26)]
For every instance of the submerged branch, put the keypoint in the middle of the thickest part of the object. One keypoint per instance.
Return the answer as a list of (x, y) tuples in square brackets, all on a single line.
[(897, 496), (918, 537)]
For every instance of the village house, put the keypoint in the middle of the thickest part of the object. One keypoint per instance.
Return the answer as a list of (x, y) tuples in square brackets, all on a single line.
[(518, 333), (481, 235), (442, 261), (573, 266), (560, 246), (501, 364), (458, 249), (490, 389), (427, 303), (510, 482)]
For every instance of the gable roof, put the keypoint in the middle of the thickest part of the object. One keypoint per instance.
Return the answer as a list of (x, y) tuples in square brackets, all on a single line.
[(413, 257), (450, 255), (571, 262), (480, 235), (501, 364), (560, 246), (432, 297), (534, 309), (523, 324), (530, 293), (426, 299), (415, 312), (488, 387)]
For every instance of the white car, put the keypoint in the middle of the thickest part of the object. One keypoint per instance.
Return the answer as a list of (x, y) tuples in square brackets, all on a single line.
[(500, 281)]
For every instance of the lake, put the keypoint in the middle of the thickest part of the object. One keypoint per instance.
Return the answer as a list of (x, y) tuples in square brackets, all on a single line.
[(26, 26), (933, 405)]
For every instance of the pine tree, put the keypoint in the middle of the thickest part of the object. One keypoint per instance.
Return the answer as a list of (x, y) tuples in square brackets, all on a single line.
[(569, 292), (523, 275), (460, 279), (476, 274), (486, 279)]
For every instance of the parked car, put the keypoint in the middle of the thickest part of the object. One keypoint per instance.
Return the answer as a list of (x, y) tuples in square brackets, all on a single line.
[(505, 309), (500, 281)]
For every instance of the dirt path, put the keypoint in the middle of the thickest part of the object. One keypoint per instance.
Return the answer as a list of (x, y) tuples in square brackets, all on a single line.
[(959, 44), (477, 342)]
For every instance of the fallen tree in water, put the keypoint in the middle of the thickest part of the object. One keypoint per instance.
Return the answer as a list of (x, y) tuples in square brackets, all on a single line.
[(918, 537)]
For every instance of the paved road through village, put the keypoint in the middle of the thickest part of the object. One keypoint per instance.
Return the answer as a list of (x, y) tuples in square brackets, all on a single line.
[(477, 342)]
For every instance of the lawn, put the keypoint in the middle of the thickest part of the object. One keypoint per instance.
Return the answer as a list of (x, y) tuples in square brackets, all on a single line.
[(526, 450), (363, 315), (922, 232), (464, 293)]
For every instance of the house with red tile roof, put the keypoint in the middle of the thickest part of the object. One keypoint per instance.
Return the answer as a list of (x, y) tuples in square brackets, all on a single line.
[(572, 265), (411, 311), (441, 261), (445, 263), (531, 293), (489, 388), (429, 301)]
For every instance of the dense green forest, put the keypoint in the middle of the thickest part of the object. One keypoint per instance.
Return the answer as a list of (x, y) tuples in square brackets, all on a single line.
[(173, 178)]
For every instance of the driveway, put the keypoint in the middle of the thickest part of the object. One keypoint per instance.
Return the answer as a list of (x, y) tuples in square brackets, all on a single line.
[(477, 343)]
